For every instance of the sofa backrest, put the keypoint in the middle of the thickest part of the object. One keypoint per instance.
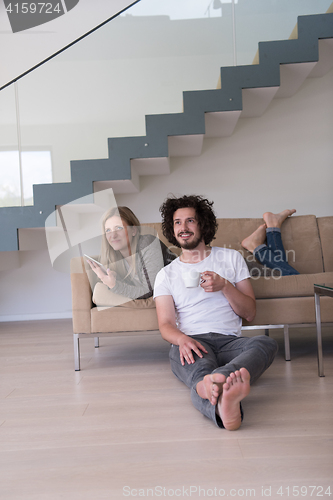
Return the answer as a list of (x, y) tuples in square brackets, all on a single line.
[(157, 226), (300, 237)]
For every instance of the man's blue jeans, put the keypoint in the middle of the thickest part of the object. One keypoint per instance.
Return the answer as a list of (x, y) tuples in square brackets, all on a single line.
[(273, 254), (226, 354)]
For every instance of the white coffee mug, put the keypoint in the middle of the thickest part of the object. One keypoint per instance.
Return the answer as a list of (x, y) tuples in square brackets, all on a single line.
[(191, 278)]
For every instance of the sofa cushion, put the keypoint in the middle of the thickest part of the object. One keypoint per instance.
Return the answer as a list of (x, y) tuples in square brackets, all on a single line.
[(299, 285), (289, 311), (123, 319), (325, 226)]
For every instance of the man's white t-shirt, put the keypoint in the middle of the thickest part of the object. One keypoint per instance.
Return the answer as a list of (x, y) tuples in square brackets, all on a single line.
[(199, 311)]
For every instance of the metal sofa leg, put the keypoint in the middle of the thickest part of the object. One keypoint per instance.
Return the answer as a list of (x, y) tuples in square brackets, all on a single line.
[(319, 337), (76, 352), (286, 342), (96, 341), (267, 332)]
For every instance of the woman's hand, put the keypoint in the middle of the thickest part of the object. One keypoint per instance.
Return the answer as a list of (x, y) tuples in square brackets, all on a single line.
[(108, 279)]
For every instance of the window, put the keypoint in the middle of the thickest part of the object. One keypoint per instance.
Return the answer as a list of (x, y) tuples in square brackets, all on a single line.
[(36, 168)]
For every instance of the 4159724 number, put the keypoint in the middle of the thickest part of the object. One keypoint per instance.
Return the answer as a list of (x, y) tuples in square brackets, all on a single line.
[(304, 491), (34, 8)]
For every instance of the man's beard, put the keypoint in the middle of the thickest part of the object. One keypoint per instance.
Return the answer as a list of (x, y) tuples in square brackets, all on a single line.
[(189, 245)]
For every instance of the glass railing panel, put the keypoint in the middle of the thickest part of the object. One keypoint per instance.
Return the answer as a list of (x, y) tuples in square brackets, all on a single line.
[(264, 20), (140, 63), (10, 188), (105, 85)]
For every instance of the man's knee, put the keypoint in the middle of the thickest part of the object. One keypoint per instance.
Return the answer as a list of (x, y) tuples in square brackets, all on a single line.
[(269, 345)]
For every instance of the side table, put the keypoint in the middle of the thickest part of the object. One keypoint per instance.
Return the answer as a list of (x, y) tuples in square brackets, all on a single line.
[(321, 289)]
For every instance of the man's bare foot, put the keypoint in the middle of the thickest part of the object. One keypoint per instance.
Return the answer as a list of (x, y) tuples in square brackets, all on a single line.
[(255, 239), (211, 387), (276, 220), (236, 388)]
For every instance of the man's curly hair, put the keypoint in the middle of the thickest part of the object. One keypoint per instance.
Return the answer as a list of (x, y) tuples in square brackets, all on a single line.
[(204, 213)]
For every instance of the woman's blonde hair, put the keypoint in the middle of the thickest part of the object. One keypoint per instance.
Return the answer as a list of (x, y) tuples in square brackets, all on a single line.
[(111, 258)]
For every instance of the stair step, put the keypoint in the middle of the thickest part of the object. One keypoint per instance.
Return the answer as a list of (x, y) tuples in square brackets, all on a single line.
[(32, 239), (131, 185), (325, 62), (151, 166), (185, 145), (257, 100), (292, 76), (221, 123)]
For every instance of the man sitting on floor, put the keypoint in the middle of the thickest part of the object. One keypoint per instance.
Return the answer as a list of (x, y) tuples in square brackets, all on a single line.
[(203, 323)]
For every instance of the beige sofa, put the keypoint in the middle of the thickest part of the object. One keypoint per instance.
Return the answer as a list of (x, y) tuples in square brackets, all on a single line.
[(281, 301)]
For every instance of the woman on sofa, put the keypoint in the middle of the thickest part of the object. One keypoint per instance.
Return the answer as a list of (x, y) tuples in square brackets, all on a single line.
[(265, 243), (132, 259)]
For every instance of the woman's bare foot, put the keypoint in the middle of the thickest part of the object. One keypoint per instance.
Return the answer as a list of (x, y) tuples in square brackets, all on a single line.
[(236, 388), (211, 387), (255, 239), (276, 220)]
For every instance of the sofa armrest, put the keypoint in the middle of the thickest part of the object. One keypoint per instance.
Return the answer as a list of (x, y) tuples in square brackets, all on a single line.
[(81, 297)]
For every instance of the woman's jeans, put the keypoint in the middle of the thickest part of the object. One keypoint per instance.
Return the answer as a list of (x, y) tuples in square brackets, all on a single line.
[(226, 354), (273, 254)]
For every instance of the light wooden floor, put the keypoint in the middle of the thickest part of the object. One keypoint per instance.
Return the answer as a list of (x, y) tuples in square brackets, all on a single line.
[(124, 427)]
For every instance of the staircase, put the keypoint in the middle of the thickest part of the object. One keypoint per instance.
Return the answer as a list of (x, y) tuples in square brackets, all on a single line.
[(279, 70)]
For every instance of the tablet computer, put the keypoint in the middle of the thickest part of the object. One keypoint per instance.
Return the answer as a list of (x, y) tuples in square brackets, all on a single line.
[(96, 262)]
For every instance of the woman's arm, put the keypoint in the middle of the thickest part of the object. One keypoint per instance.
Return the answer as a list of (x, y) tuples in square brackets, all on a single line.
[(149, 261)]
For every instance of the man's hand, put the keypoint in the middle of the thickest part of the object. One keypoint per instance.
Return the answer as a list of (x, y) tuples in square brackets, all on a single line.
[(212, 282), (166, 315), (186, 346), (240, 297)]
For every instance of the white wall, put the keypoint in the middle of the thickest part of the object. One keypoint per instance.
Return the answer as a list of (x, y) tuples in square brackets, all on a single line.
[(34, 290), (282, 159)]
